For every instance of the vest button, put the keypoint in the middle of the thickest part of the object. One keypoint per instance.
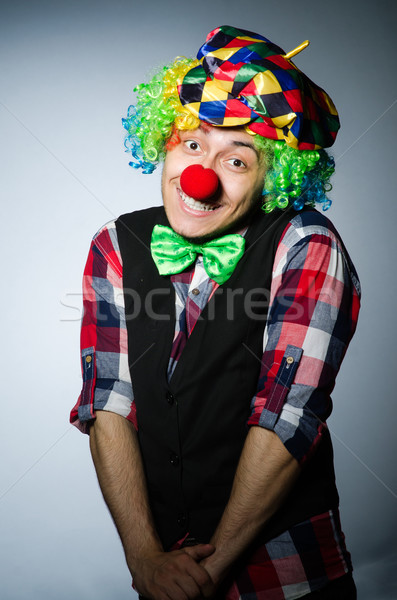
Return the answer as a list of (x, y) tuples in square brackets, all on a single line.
[(170, 398), (195, 292), (181, 520), (174, 459)]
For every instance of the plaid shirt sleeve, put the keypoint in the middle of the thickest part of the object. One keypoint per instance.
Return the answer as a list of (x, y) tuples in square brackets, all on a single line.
[(104, 353), (314, 305)]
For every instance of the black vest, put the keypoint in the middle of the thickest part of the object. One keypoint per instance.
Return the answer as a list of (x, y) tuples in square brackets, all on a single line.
[(193, 427)]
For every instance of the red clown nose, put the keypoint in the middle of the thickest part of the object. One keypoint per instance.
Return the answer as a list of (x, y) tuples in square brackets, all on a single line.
[(199, 183)]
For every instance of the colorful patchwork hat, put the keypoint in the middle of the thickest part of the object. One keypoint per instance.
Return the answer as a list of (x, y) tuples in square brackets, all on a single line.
[(245, 80)]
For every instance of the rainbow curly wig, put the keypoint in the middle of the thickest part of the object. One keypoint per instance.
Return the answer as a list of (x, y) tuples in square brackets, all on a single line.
[(294, 177)]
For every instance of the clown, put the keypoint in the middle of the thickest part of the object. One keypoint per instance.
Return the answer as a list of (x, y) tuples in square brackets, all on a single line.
[(213, 330)]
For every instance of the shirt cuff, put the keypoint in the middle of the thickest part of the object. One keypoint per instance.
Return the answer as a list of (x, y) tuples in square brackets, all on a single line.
[(113, 395)]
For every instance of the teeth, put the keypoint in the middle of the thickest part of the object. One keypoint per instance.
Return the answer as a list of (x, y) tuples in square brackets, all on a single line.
[(195, 204)]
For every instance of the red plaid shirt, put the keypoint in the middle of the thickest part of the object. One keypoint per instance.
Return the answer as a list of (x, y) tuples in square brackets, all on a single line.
[(314, 304)]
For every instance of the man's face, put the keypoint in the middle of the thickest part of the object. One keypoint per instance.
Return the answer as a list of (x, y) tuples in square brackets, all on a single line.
[(230, 152)]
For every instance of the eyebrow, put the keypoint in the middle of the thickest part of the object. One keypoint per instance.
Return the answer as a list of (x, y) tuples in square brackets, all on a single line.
[(207, 128), (246, 145)]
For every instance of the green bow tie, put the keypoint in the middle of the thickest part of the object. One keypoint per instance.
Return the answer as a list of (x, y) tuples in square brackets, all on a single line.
[(172, 253)]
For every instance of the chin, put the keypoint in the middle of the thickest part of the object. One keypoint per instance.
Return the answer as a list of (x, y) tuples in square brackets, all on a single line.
[(197, 238), (221, 230), (206, 236), (193, 230)]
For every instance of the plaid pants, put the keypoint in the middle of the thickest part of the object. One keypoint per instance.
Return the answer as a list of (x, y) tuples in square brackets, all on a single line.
[(342, 588)]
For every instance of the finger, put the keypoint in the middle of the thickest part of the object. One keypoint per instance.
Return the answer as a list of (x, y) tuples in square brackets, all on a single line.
[(171, 590), (190, 587), (200, 575), (180, 576), (200, 551)]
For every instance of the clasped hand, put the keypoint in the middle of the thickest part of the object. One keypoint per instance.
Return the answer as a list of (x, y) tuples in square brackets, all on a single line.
[(175, 575)]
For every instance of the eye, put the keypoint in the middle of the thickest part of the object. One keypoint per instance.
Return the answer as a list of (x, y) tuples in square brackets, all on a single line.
[(192, 145), (237, 162)]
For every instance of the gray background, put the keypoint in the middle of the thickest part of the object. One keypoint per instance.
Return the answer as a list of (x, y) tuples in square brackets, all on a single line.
[(67, 73)]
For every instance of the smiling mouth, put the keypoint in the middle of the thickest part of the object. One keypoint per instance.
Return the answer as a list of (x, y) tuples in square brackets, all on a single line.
[(197, 204)]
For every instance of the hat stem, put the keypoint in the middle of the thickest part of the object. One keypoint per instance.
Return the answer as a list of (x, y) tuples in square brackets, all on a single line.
[(296, 51)]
